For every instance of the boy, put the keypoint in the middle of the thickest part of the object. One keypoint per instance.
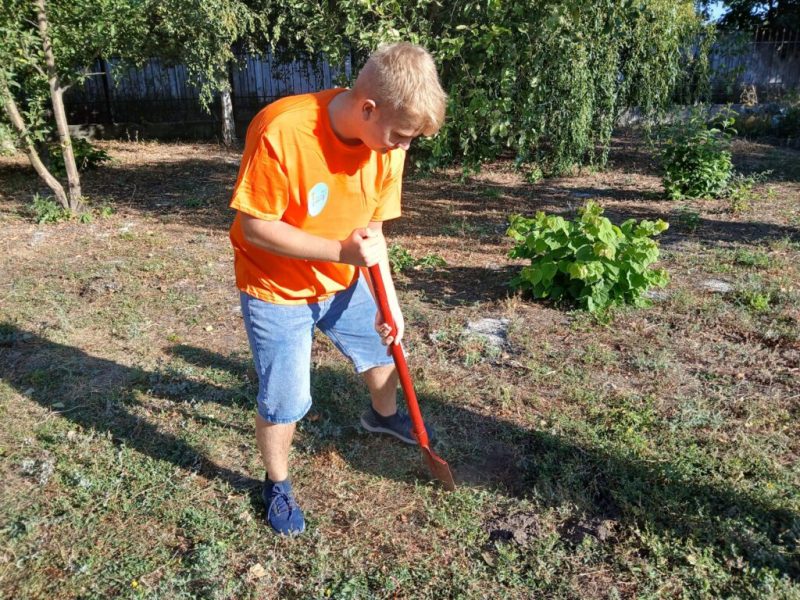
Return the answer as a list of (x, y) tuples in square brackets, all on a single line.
[(319, 175)]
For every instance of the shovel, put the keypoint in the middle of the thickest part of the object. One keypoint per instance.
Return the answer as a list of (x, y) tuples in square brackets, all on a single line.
[(436, 465)]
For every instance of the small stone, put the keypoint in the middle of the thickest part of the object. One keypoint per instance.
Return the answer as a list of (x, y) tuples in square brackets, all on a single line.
[(494, 331), (656, 295), (717, 286), (209, 328)]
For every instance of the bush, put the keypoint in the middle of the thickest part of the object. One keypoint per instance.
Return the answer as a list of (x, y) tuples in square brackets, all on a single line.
[(780, 120), (86, 156), (696, 157), (45, 209), (541, 81), (590, 260)]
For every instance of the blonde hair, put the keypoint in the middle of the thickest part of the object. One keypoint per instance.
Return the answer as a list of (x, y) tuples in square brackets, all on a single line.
[(403, 76)]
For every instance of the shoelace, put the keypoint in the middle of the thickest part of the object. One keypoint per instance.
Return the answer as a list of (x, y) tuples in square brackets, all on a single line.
[(288, 502)]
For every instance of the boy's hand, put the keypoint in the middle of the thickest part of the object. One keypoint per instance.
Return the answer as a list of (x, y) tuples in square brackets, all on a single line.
[(364, 247), (385, 332)]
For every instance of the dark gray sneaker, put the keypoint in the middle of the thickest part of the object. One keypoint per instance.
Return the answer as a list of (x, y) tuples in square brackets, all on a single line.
[(398, 425)]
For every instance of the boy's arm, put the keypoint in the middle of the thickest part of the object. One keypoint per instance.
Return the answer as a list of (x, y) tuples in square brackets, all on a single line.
[(361, 248), (391, 295)]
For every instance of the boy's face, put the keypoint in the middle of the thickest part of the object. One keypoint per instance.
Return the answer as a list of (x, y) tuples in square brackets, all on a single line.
[(384, 130)]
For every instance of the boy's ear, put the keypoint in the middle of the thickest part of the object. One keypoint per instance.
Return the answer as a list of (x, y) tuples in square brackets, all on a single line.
[(368, 108)]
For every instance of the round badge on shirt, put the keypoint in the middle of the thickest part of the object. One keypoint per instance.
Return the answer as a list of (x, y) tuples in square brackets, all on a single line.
[(317, 198)]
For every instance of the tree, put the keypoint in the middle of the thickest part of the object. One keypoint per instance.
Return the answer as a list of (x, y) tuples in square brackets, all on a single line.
[(45, 49), (544, 80), (748, 14), (201, 34)]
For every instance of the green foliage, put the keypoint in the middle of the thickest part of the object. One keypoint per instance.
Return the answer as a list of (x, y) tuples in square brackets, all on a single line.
[(400, 259), (790, 120), (80, 31), (431, 261), (689, 218), (749, 14), (696, 156), (200, 34), (740, 194), (8, 140), (46, 210), (87, 156), (542, 80), (785, 124), (106, 211), (589, 260)]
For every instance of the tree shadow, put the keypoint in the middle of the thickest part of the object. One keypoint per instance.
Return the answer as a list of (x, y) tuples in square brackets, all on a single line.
[(457, 286), (634, 494), (98, 394)]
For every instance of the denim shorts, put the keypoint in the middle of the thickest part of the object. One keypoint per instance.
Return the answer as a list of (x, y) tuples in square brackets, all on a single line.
[(280, 338)]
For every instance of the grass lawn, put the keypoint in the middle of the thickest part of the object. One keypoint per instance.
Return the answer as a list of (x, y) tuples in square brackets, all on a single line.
[(650, 453)]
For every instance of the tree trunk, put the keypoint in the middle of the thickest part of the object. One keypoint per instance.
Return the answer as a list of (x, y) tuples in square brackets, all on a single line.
[(22, 131), (228, 121), (228, 124), (60, 114)]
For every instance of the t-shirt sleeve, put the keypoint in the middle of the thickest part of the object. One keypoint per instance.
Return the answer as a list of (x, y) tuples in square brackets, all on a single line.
[(262, 188), (389, 198)]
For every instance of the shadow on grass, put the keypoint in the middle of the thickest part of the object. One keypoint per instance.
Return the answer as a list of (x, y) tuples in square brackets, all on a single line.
[(662, 497), (97, 394), (459, 286), (196, 191)]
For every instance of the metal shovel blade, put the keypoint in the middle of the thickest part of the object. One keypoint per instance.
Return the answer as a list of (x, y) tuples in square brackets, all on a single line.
[(439, 468)]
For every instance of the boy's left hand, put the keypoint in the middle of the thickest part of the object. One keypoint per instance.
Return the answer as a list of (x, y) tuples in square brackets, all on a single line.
[(384, 330)]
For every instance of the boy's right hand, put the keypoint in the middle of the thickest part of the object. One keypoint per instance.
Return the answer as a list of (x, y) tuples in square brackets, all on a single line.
[(363, 248)]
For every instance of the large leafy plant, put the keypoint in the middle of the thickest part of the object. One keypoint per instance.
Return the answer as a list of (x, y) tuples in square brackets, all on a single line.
[(696, 157), (590, 260)]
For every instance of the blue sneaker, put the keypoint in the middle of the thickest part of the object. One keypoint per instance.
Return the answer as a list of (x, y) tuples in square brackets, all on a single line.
[(398, 425), (283, 514)]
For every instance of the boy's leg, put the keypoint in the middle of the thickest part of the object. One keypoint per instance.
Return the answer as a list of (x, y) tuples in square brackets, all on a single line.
[(280, 340), (350, 323), (274, 441), (382, 385)]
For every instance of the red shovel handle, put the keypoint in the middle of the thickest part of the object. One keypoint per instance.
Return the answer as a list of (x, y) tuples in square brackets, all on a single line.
[(399, 359)]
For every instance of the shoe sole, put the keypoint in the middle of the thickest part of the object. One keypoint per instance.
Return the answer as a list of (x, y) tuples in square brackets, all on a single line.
[(292, 533), (373, 429)]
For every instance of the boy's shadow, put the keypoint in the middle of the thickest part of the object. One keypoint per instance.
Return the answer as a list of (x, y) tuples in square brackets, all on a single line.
[(482, 450)]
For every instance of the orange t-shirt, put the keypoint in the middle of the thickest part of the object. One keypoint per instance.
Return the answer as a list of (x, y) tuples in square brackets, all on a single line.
[(296, 170)]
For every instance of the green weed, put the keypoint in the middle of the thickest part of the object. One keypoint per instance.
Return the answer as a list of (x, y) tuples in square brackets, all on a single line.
[(46, 209)]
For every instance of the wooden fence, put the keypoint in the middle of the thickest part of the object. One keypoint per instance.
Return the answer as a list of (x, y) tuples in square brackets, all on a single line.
[(160, 93), (767, 62)]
